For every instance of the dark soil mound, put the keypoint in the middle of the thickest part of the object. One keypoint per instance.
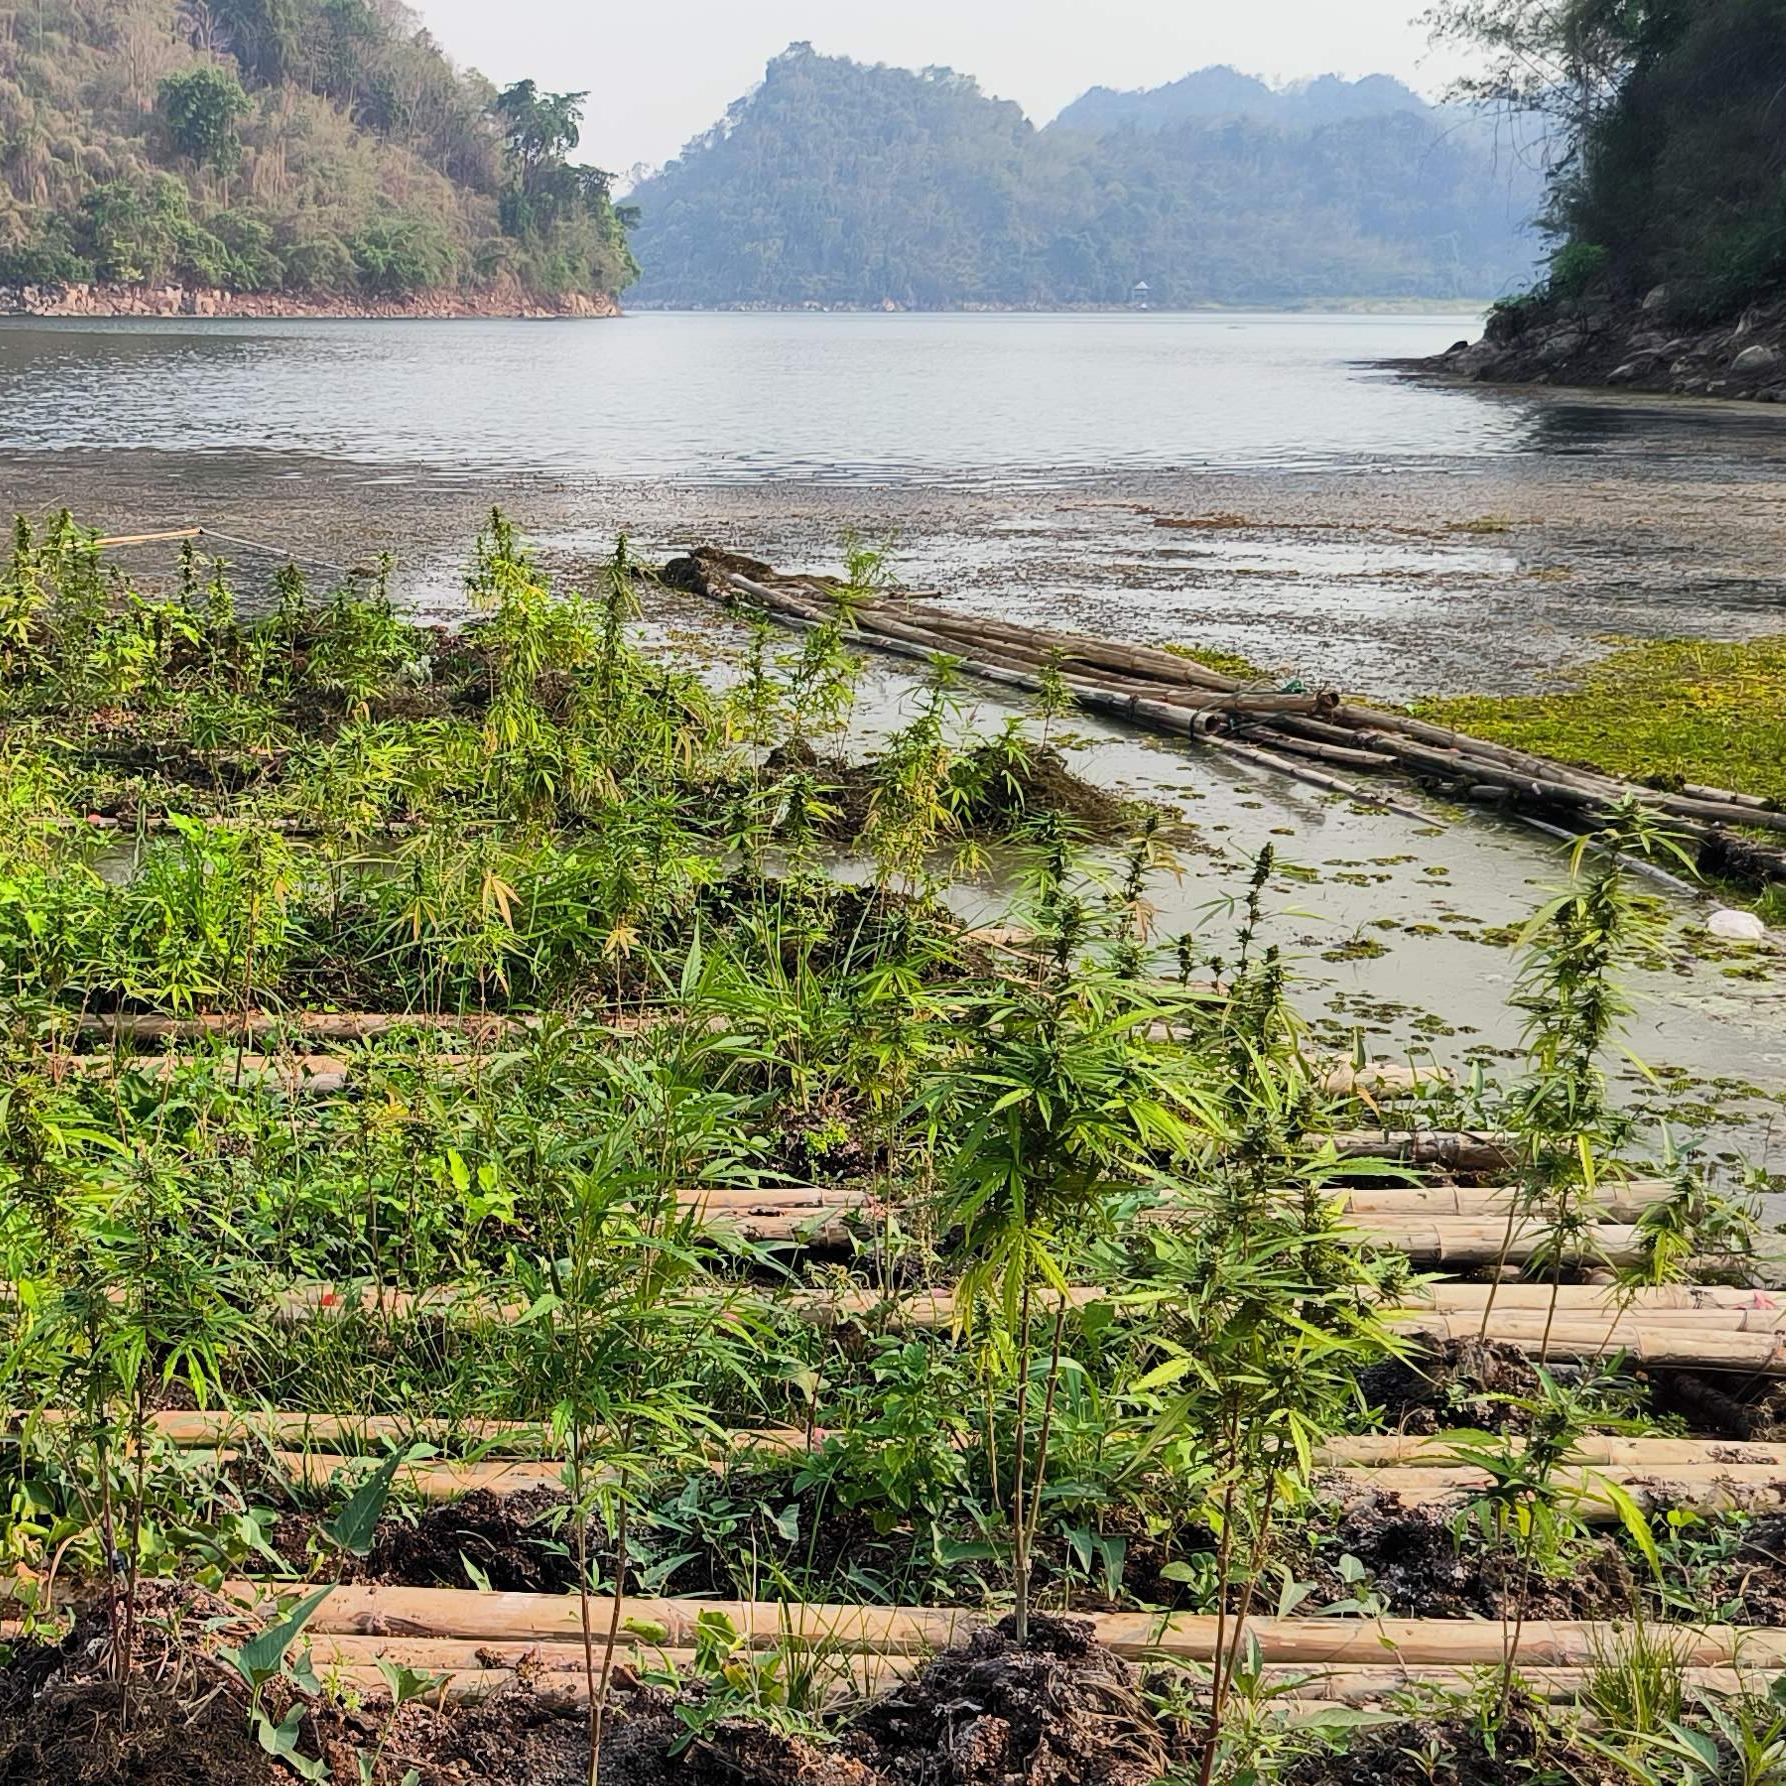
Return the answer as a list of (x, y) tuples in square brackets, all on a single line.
[(503, 1537), (1063, 1711), (1734, 1409), (1401, 1755), (733, 1752), (1420, 1569), (184, 1720), (1455, 1383), (73, 1732), (1005, 790), (999, 790)]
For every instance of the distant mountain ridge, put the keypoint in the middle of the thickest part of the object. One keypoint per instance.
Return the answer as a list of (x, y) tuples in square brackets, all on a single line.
[(1223, 92), (839, 184)]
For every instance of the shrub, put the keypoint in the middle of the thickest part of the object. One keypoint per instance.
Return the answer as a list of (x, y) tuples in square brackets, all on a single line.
[(398, 255), (1574, 267)]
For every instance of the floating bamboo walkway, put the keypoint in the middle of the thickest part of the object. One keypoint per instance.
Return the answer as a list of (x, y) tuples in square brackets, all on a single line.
[(1288, 733)]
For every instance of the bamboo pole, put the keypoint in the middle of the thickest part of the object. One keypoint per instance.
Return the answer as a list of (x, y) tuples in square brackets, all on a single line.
[(1392, 1452), (553, 1674), (148, 539), (1388, 1457), (1755, 1352), (882, 1630), (1595, 1298), (1701, 1488), (1719, 1488), (280, 1430), (1456, 1150)]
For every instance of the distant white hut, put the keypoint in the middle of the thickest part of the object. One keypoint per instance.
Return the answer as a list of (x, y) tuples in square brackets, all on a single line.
[(1142, 296)]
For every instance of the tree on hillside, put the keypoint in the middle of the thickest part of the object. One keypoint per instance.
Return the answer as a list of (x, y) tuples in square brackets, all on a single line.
[(369, 162), (539, 129), (201, 107), (265, 36)]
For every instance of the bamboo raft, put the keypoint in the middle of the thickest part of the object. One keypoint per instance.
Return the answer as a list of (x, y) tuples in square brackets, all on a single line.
[(1289, 733)]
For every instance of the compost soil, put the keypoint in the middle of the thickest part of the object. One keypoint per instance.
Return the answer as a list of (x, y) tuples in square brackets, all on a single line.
[(1005, 790), (504, 1537), (1059, 1711), (1467, 1382), (1418, 1569), (1403, 1754)]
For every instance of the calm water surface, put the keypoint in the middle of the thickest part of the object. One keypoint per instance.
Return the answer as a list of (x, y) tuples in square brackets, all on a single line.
[(721, 399)]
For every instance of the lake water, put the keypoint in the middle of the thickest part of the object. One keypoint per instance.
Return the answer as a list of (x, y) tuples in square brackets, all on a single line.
[(1008, 400)]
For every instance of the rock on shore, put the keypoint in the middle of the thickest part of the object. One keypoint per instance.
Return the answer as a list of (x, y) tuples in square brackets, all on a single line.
[(1636, 348), (502, 301)]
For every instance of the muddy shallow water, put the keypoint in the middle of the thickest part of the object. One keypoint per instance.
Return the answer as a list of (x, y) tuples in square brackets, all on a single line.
[(1373, 530), (1400, 934)]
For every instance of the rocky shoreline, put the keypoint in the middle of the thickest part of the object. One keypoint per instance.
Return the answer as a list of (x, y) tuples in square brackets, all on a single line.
[(496, 303), (1637, 348)]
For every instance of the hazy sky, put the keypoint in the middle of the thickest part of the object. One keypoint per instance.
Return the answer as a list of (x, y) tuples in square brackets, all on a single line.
[(659, 71)]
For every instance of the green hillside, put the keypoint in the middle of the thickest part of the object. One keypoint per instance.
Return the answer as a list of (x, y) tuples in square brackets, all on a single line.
[(836, 183), (316, 147)]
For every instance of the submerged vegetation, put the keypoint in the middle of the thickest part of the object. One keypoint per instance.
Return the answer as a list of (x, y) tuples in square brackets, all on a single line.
[(1669, 712), (691, 1202)]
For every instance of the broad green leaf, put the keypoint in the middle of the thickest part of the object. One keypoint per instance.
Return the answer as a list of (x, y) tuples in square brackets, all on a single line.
[(260, 1659), (352, 1531)]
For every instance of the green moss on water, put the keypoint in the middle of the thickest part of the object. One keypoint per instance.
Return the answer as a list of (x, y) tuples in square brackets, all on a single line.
[(1224, 663), (1664, 712)]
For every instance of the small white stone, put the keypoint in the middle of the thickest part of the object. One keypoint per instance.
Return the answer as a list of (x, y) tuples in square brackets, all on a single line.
[(1737, 927)]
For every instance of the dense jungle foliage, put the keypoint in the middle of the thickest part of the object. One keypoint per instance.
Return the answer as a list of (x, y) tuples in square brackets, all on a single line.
[(835, 183), (315, 146), (1669, 158)]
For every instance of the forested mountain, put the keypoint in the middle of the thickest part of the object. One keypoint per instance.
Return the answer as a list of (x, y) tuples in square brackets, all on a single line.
[(313, 146), (1679, 176), (1223, 92), (835, 183), (1667, 198)]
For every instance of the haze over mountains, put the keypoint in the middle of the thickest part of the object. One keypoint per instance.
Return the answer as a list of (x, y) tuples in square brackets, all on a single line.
[(1223, 92), (834, 183)]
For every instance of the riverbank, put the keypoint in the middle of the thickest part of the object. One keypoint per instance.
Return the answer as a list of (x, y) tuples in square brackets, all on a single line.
[(1637, 348), (505, 302)]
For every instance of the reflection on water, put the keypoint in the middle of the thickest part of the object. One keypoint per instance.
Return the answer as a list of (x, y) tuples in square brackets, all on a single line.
[(981, 400)]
